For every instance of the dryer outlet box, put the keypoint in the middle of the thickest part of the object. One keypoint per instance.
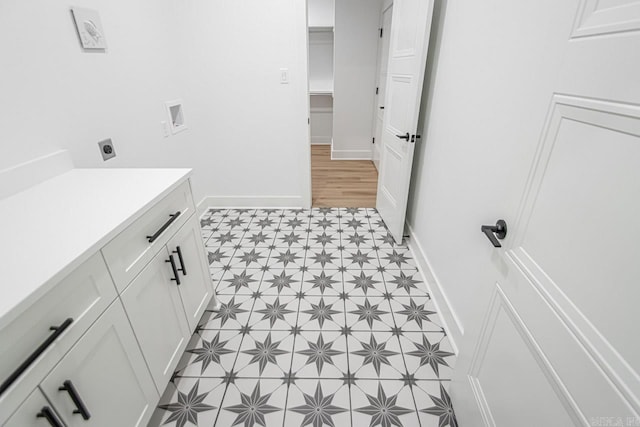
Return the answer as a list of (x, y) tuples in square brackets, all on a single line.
[(106, 149)]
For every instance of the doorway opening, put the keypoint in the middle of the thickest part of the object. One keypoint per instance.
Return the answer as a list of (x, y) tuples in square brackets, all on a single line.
[(342, 183), (348, 55)]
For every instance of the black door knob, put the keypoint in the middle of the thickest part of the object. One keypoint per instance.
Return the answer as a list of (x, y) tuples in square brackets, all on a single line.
[(495, 232), (405, 136)]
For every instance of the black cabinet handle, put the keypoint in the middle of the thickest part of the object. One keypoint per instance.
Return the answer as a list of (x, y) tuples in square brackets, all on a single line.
[(48, 415), (405, 136), (381, 107), (164, 227), (75, 397), (495, 232), (57, 331), (175, 277), (179, 252)]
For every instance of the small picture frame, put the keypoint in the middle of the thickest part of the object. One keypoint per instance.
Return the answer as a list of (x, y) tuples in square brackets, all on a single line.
[(89, 28)]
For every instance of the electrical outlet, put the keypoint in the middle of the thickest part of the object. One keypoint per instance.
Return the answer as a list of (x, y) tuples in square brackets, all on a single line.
[(106, 149)]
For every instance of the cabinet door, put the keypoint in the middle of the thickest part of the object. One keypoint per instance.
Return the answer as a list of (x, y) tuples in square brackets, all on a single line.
[(108, 376), (154, 308), (196, 287), (35, 411)]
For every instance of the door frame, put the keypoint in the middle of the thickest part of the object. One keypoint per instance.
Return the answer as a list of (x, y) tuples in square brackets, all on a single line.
[(305, 161)]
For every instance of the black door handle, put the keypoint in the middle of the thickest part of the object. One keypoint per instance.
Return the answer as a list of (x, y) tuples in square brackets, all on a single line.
[(48, 415), (183, 269), (75, 397), (175, 277), (495, 232), (405, 137)]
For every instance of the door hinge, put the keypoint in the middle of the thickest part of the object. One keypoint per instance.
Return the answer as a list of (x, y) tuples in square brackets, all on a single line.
[(373, 140), (377, 89), (381, 30)]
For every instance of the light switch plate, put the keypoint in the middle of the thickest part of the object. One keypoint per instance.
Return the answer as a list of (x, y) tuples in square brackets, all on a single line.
[(284, 76), (106, 149), (166, 130)]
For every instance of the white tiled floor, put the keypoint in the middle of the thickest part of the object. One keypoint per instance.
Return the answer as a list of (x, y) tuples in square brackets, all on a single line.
[(323, 321)]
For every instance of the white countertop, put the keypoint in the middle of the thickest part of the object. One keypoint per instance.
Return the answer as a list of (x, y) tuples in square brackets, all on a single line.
[(50, 229)]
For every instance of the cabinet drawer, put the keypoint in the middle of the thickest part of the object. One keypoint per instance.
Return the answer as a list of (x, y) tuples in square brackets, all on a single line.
[(36, 411), (131, 250), (81, 296), (104, 379)]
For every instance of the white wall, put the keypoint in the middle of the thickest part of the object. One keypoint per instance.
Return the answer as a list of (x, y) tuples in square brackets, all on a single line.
[(356, 48), (222, 58), (321, 13), (321, 60), (489, 77), (321, 119)]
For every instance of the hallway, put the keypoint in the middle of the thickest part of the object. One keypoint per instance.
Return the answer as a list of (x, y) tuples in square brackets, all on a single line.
[(340, 183)]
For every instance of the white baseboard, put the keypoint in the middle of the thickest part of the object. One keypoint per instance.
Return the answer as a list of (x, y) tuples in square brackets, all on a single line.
[(448, 315), (320, 140), (250, 202), (351, 154), (20, 177)]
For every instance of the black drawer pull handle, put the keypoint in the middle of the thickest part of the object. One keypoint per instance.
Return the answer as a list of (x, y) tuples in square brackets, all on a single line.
[(175, 277), (73, 394), (57, 331), (179, 252), (164, 227), (48, 414)]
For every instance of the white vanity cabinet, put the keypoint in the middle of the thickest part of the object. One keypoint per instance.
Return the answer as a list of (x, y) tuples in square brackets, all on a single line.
[(91, 332)]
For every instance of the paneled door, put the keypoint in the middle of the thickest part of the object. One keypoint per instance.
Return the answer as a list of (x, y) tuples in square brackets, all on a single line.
[(381, 81), (409, 41), (558, 344)]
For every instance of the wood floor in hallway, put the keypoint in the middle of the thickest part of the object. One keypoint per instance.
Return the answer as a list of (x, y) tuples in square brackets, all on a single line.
[(342, 183)]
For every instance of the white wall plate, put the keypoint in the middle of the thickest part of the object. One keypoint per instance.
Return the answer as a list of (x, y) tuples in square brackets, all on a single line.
[(176, 116), (89, 28)]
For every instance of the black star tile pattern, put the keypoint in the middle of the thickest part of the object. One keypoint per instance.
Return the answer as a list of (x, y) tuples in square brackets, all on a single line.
[(324, 321)]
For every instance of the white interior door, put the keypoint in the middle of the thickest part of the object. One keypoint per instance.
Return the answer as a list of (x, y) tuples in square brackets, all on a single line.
[(381, 83), (558, 344), (409, 41)]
